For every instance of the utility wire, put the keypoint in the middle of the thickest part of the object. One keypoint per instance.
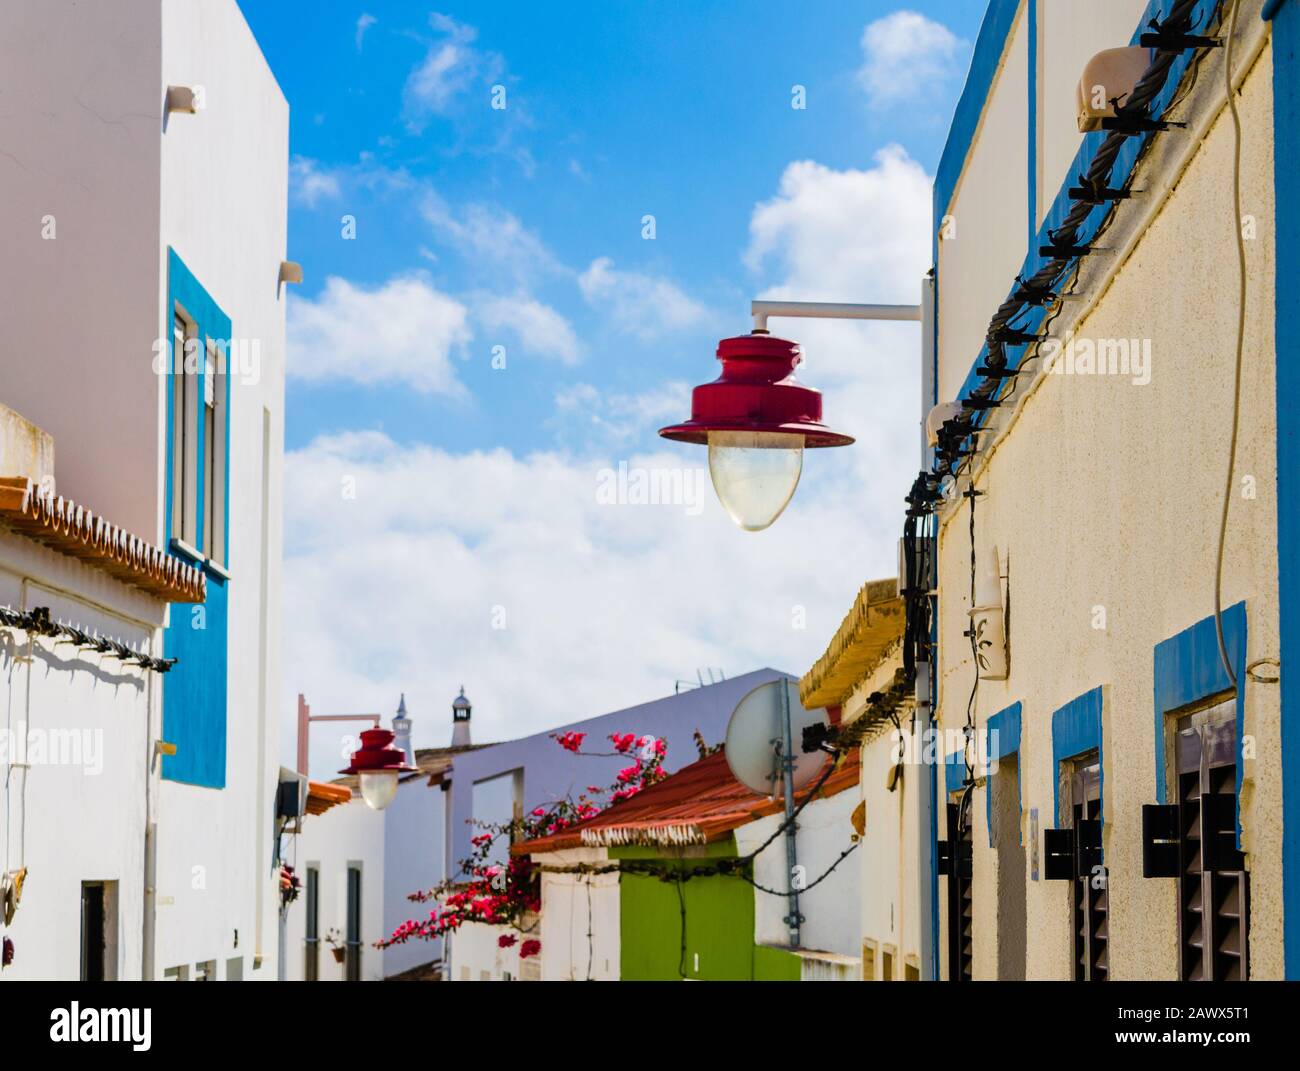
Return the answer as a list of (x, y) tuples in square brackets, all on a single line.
[(1241, 336)]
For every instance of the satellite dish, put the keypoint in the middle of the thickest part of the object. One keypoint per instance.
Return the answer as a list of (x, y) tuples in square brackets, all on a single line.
[(756, 734)]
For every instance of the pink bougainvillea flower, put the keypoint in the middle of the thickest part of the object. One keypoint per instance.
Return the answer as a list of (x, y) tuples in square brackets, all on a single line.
[(529, 948), (571, 741), (539, 812), (506, 940)]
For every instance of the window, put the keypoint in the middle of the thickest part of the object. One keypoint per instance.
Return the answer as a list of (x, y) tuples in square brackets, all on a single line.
[(184, 381), (1213, 886), (206, 971), (98, 931), (235, 969), (195, 692), (200, 393), (887, 963), (1003, 788), (353, 954), (311, 942), (214, 454), (868, 961), (177, 974), (1090, 895), (958, 866)]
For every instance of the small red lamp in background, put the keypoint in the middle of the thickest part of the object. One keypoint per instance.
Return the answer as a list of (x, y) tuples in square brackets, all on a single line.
[(756, 418), (378, 765)]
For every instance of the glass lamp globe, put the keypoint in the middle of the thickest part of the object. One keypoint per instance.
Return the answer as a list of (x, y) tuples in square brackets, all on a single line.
[(378, 787), (755, 473)]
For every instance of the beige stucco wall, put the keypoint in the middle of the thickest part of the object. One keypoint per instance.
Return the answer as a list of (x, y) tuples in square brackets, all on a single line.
[(574, 905), (1106, 494), (892, 898), (984, 245)]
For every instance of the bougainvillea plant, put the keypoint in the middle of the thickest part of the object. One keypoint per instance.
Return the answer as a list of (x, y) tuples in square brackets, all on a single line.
[(290, 885), (503, 894)]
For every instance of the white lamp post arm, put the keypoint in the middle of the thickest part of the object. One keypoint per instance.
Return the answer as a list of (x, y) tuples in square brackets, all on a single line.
[(829, 310)]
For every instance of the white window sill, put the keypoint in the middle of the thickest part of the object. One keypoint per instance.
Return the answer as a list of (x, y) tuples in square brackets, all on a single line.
[(216, 568), (179, 546)]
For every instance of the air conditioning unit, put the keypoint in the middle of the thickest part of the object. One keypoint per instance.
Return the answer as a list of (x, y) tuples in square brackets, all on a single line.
[(291, 794), (1109, 76)]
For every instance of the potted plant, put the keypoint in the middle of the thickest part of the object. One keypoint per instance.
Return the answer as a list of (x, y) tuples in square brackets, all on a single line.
[(335, 940)]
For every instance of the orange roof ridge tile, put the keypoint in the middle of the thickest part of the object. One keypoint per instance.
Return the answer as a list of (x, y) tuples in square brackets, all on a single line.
[(75, 530)]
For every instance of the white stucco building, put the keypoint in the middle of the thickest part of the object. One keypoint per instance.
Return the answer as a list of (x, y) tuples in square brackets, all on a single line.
[(145, 175), (359, 866)]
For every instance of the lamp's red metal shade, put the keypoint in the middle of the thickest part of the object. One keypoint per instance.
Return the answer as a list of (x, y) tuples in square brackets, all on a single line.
[(756, 392), (375, 755)]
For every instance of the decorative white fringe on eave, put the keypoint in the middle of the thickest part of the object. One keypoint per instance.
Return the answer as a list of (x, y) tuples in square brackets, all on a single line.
[(652, 836)]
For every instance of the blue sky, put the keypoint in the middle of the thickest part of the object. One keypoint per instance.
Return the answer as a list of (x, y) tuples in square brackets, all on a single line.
[(466, 540)]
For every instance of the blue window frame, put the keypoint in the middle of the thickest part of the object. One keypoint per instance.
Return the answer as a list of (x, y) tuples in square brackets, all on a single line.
[(1189, 670), (197, 518), (1076, 730), (1002, 735)]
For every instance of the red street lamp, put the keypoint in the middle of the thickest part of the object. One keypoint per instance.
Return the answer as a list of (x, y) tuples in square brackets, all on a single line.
[(378, 766), (756, 418)]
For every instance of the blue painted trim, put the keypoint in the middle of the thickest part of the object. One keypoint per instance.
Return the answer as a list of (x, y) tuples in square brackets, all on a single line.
[(1061, 203), (932, 775), (1076, 729), (1002, 738), (195, 691), (990, 46), (954, 772), (1188, 669), (1271, 8), (1032, 155), (1286, 183)]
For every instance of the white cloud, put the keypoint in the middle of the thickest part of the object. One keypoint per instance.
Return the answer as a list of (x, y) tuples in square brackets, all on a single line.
[(856, 236), (450, 67), (396, 589), (601, 605), (604, 420), (646, 306), (853, 235), (404, 331), (363, 24), (310, 183), (905, 56), (494, 237), (538, 328)]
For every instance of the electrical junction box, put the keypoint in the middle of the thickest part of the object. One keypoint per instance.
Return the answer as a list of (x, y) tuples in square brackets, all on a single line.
[(291, 795)]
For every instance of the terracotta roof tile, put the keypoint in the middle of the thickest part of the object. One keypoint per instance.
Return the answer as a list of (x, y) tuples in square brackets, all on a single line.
[(869, 632), (699, 804), (75, 530), (321, 796)]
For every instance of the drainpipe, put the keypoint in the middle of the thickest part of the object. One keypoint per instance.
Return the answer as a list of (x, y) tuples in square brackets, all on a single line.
[(793, 919), (927, 826)]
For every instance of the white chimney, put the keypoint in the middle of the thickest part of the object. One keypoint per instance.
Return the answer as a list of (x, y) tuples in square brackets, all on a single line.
[(460, 712)]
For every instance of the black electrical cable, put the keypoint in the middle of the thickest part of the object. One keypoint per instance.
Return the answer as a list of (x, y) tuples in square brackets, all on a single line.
[(37, 621), (812, 884), (681, 900)]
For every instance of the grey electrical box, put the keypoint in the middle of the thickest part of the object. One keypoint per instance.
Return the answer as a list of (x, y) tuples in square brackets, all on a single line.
[(291, 794), (925, 566)]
